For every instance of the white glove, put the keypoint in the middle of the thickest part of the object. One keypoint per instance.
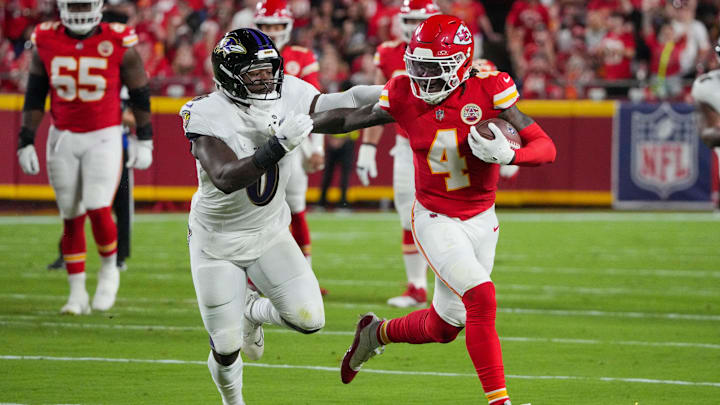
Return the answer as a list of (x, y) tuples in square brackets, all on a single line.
[(366, 166), (27, 157), (293, 131), (507, 171), (491, 151), (139, 153)]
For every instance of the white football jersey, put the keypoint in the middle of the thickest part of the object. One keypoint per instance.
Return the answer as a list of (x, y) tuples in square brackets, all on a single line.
[(261, 207), (706, 89)]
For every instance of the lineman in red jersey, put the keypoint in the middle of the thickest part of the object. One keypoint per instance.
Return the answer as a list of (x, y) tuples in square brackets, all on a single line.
[(275, 19), (84, 63), (456, 174), (389, 62)]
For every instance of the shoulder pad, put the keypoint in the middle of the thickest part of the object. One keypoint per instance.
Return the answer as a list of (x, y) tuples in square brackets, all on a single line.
[(390, 44)]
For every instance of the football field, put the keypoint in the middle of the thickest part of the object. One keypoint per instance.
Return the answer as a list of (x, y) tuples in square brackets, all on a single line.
[(593, 308)]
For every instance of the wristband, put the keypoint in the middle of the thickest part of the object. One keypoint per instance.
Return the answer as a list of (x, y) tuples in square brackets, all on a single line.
[(145, 132), (26, 137), (268, 154)]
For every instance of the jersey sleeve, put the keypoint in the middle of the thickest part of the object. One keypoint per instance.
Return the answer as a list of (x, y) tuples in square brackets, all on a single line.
[(300, 92), (125, 34), (194, 122), (706, 89), (501, 88), (391, 98)]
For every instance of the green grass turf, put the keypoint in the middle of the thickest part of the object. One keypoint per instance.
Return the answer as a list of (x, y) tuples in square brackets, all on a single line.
[(594, 308)]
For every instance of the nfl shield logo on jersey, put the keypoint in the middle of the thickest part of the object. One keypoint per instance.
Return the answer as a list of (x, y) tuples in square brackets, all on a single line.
[(664, 150)]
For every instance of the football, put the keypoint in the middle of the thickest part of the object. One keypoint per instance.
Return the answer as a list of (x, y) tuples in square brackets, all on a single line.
[(507, 129)]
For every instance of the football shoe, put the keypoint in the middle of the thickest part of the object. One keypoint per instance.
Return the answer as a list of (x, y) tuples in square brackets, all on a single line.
[(363, 348), (253, 341)]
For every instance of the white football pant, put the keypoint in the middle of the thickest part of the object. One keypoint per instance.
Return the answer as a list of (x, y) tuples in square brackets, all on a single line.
[(280, 271), (84, 168), (297, 186), (461, 253)]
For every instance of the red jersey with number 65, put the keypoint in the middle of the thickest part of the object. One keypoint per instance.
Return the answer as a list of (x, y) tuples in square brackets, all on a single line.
[(84, 74), (301, 63), (449, 179)]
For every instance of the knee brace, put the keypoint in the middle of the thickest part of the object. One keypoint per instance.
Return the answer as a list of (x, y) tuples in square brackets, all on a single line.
[(225, 343)]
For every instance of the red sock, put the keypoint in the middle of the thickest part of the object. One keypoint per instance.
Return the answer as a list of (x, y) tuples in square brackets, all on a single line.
[(408, 243), (73, 244), (104, 230), (482, 341), (301, 232), (417, 327)]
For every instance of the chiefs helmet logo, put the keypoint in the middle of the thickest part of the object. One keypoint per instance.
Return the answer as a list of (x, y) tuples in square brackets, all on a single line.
[(462, 36)]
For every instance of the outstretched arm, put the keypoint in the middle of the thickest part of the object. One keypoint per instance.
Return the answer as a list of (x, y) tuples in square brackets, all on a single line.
[(537, 148), (709, 124), (343, 120)]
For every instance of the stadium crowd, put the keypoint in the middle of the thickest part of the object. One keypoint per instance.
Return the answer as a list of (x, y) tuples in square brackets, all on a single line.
[(555, 49)]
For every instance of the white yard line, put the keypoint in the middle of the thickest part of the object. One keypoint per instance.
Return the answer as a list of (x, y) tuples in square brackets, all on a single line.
[(504, 216), (26, 321), (506, 310), (365, 370)]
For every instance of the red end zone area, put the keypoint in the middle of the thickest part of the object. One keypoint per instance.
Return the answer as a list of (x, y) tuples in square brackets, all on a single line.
[(581, 175)]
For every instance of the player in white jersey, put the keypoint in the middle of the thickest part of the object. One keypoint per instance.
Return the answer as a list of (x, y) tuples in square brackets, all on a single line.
[(238, 223), (706, 92)]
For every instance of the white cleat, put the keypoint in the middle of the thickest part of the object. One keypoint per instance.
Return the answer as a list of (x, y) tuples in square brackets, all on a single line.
[(412, 297), (107, 287), (253, 342), (77, 304), (363, 348)]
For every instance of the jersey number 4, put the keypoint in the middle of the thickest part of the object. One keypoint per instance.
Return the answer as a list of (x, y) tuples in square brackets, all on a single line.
[(87, 86), (444, 158)]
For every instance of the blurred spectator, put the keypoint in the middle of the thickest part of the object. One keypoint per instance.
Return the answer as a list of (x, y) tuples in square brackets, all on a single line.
[(666, 49), (571, 45)]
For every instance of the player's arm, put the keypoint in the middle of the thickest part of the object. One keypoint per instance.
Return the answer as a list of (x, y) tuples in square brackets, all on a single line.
[(537, 148), (33, 110), (132, 72), (343, 120), (228, 173), (709, 125)]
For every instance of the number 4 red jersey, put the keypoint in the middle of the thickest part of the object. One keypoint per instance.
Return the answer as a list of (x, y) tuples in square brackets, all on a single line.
[(449, 179), (84, 74)]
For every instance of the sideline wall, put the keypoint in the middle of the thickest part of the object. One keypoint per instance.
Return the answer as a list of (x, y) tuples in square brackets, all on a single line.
[(582, 131)]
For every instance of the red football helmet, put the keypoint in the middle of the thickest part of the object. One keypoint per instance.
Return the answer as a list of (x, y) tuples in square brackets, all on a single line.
[(439, 57), (413, 12), (272, 12)]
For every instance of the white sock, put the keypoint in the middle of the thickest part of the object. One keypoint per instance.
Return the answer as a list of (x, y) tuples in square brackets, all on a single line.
[(263, 311), (416, 269), (228, 380), (108, 263), (77, 284)]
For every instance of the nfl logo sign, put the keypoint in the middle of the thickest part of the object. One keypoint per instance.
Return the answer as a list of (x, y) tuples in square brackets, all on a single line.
[(664, 150), (439, 115)]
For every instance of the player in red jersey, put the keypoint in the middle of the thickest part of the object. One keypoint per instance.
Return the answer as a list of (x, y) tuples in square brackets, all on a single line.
[(389, 62), (456, 173), (83, 64), (274, 18)]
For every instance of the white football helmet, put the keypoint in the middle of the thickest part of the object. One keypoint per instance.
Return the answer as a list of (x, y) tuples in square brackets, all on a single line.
[(80, 22)]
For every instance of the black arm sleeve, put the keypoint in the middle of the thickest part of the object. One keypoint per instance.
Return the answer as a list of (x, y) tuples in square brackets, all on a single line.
[(268, 154), (140, 98), (37, 90)]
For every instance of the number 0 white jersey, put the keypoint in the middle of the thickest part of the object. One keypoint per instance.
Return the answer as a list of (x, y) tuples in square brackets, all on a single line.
[(706, 89), (261, 207)]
